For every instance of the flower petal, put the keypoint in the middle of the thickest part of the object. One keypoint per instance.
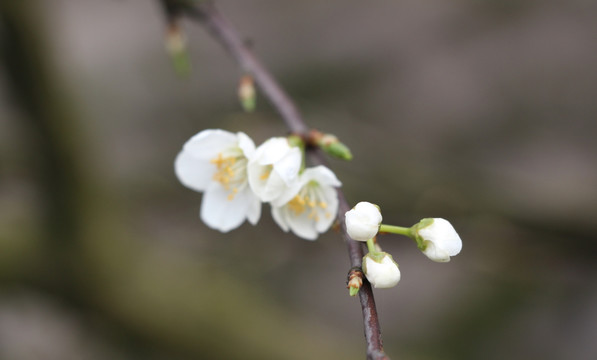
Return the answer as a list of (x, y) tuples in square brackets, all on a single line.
[(272, 150), (302, 226), (209, 143), (246, 144), (193, 172), (288, 193), (254, 210), (273, 167), (330, 212), (322, 175), (269, 189), (221, 213), (434, 253), (289, 165), (280, 217)]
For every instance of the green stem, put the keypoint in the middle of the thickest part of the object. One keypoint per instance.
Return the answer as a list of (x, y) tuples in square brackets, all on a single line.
[(395, 230), (371, 246)]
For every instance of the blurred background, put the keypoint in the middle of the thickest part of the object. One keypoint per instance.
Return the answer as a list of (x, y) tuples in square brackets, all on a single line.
[(481, 112)]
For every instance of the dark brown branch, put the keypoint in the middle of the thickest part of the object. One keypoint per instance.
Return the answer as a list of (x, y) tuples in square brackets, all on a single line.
[(230, 39)]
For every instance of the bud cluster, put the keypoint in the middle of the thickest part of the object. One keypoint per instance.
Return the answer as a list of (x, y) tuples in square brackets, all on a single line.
[(435, 237)]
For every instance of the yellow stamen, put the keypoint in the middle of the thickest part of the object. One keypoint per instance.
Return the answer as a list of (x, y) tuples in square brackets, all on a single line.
[(309, 199), (216, 160), (226, 172), (297, 205), (265, 175)]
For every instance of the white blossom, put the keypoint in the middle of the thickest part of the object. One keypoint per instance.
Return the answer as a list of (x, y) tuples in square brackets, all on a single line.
[(438, 239), (308, 207), (274, 168), (362, 222), (381, 270), (215, 162)]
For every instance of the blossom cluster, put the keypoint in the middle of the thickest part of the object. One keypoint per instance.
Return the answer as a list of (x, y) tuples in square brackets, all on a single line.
[(236, 177)]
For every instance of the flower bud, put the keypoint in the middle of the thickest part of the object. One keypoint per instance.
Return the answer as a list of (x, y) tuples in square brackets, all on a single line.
[(362, 222), (246, 93), (330, 144), (437, 239), (381, 270), (176, 46), (355, 281)]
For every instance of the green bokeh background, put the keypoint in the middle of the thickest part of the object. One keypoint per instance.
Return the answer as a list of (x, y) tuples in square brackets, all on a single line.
[(481, 112)]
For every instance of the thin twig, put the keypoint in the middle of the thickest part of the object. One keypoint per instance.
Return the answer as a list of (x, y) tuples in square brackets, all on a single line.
[(229, 38), (223, 31)]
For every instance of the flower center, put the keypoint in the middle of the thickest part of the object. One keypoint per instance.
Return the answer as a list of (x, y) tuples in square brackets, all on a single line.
[(309, 201), (266, 173), (230, 172)]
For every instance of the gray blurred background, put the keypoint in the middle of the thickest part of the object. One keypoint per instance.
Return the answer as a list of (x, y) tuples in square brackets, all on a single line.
[(482, 112)]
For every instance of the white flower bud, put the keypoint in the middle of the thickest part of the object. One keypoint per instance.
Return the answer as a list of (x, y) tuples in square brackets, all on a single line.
[(362, 222), (381, 270), (437, 239)]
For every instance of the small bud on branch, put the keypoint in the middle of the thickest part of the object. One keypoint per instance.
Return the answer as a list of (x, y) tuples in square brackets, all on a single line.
[(355, 281), (247, 93), (176, 47), (329, 144)]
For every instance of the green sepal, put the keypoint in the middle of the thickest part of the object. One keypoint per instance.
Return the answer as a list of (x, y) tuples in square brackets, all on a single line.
[(415, 232), (295, 140), (330, 144), (377, 256), (338, 149), (249, 104), (181, 62), (354, 291)]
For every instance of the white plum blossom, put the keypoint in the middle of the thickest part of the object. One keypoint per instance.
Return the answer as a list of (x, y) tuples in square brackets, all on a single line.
[(438, 239), (309, 206), (381, 270), (274, 168), (215, 162), (363, 221)]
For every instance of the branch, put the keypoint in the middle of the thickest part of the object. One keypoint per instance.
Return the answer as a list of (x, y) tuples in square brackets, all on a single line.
[(229, 38)]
